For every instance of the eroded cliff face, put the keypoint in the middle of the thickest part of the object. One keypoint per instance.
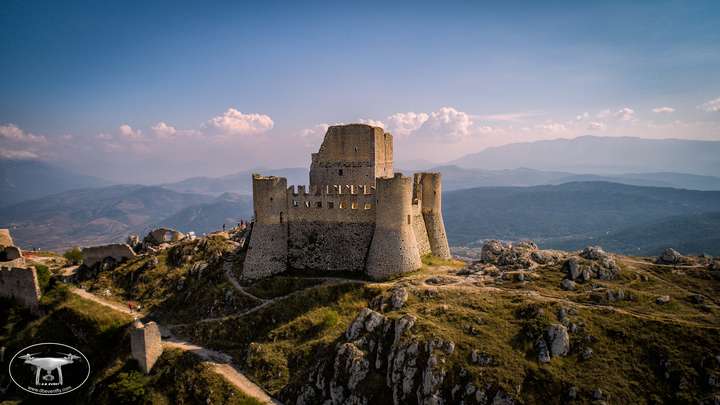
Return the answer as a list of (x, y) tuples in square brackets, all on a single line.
[(380, 360)]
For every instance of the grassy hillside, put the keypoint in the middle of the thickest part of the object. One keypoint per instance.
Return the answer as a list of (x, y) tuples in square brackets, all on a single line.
[(570, 215), (177, 378), (474, 326)]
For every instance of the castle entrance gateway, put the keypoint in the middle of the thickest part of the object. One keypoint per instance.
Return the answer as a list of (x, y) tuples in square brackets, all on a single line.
[(356, 215)]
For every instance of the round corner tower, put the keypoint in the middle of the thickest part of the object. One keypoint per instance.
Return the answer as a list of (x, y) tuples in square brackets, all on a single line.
[(432, 214), (267, 250), (393, 249)]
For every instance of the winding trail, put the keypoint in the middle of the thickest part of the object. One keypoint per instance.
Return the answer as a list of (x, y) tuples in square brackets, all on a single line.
[(219, 362)]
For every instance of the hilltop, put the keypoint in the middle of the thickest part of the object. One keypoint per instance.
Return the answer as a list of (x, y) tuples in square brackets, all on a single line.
[(521, 324)]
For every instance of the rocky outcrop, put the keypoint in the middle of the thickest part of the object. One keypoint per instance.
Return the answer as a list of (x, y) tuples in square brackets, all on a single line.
[(525, 254), (670, 256), (591, 262), (378, 348)]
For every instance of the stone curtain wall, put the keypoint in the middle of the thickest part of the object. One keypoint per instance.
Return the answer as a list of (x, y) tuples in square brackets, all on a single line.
[(20, 282), (329, 246)]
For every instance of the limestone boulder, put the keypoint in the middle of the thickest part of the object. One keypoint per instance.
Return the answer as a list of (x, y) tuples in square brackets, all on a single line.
[(670, 256)]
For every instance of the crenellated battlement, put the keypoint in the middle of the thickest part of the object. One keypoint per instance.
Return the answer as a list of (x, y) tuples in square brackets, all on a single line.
[(355, 215)]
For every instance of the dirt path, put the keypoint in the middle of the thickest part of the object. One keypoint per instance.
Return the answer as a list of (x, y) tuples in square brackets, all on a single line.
[(98, 300), (268, 302), (227, 267), (219, 362)]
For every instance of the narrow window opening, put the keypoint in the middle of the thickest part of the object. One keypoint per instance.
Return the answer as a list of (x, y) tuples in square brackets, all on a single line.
[(368, 206), (331, 204), (318, 204), (281, 217), (340, 172), (307, 204), (354, 205), (342, 205), (295, 203)]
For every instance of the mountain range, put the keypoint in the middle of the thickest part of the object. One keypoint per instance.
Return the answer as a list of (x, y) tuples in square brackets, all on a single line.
[(595, 154), (22, 180), (629, 219)]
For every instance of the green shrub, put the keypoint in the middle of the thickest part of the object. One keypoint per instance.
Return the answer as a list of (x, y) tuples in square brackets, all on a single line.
[(129, 387), (74, 255), (43, 275)]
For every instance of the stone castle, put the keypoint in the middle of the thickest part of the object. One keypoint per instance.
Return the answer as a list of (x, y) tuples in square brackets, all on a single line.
[(357, 215)]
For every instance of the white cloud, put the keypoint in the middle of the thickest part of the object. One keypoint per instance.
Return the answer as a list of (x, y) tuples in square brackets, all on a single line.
[(128, 132), (103, 136), (17, 154), (510, 117), (595, 126), (233, 122), (402, 124), (711, 106), (582, 116), (374, 123), (447, 124), (163, 129), (11, 132), (663, 110), (625, 114), (553, 127)]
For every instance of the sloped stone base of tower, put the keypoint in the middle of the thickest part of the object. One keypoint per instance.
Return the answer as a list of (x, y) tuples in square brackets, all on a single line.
[(267, 252), (437, 237), (393, 252)]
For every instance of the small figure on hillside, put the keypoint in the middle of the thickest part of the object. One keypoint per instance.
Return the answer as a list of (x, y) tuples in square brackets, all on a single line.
[(223, 227)]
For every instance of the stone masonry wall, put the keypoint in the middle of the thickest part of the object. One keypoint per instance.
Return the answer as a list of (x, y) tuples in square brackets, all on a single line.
[(20, 282), (267, 252), (329, 246)]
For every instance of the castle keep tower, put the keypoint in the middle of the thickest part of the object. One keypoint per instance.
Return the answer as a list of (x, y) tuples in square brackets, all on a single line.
[(352, 154), (355, 216)]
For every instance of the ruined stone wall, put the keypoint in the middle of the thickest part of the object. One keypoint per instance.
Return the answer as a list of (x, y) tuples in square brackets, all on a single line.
[(352, 154), (145, 344), (432, 213), (20, 282), (394, 249), (116, 251)]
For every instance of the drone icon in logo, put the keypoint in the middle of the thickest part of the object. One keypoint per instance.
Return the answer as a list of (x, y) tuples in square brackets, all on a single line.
[(48, 364)]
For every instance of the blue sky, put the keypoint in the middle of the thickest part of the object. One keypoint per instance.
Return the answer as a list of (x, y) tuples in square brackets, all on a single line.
[(150, 92)]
